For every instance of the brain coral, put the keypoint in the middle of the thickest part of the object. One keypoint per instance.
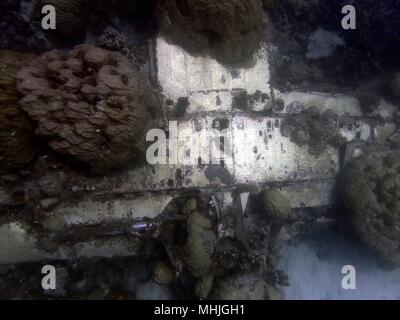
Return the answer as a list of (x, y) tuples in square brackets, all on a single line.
[(90, 104), (371, 192), (229, 30), (15, 128)]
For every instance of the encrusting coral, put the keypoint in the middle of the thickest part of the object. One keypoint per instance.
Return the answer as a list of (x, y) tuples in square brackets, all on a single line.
[(15, 128), (90, 104), (200, 244), (112, 40), (313, 129), (277, 205), (229, 30), (371, 194)]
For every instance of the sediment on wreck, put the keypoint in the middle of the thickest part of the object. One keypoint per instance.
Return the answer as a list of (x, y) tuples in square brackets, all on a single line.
[(230, 31), (89, 104)]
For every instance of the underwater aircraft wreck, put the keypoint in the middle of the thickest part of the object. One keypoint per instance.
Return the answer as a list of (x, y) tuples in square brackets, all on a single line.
[(229, 162)]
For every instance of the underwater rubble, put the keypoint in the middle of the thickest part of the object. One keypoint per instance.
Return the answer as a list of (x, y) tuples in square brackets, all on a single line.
[(312, 125)]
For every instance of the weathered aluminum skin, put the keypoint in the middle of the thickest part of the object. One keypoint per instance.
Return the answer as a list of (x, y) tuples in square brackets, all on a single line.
[(255, 155)]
